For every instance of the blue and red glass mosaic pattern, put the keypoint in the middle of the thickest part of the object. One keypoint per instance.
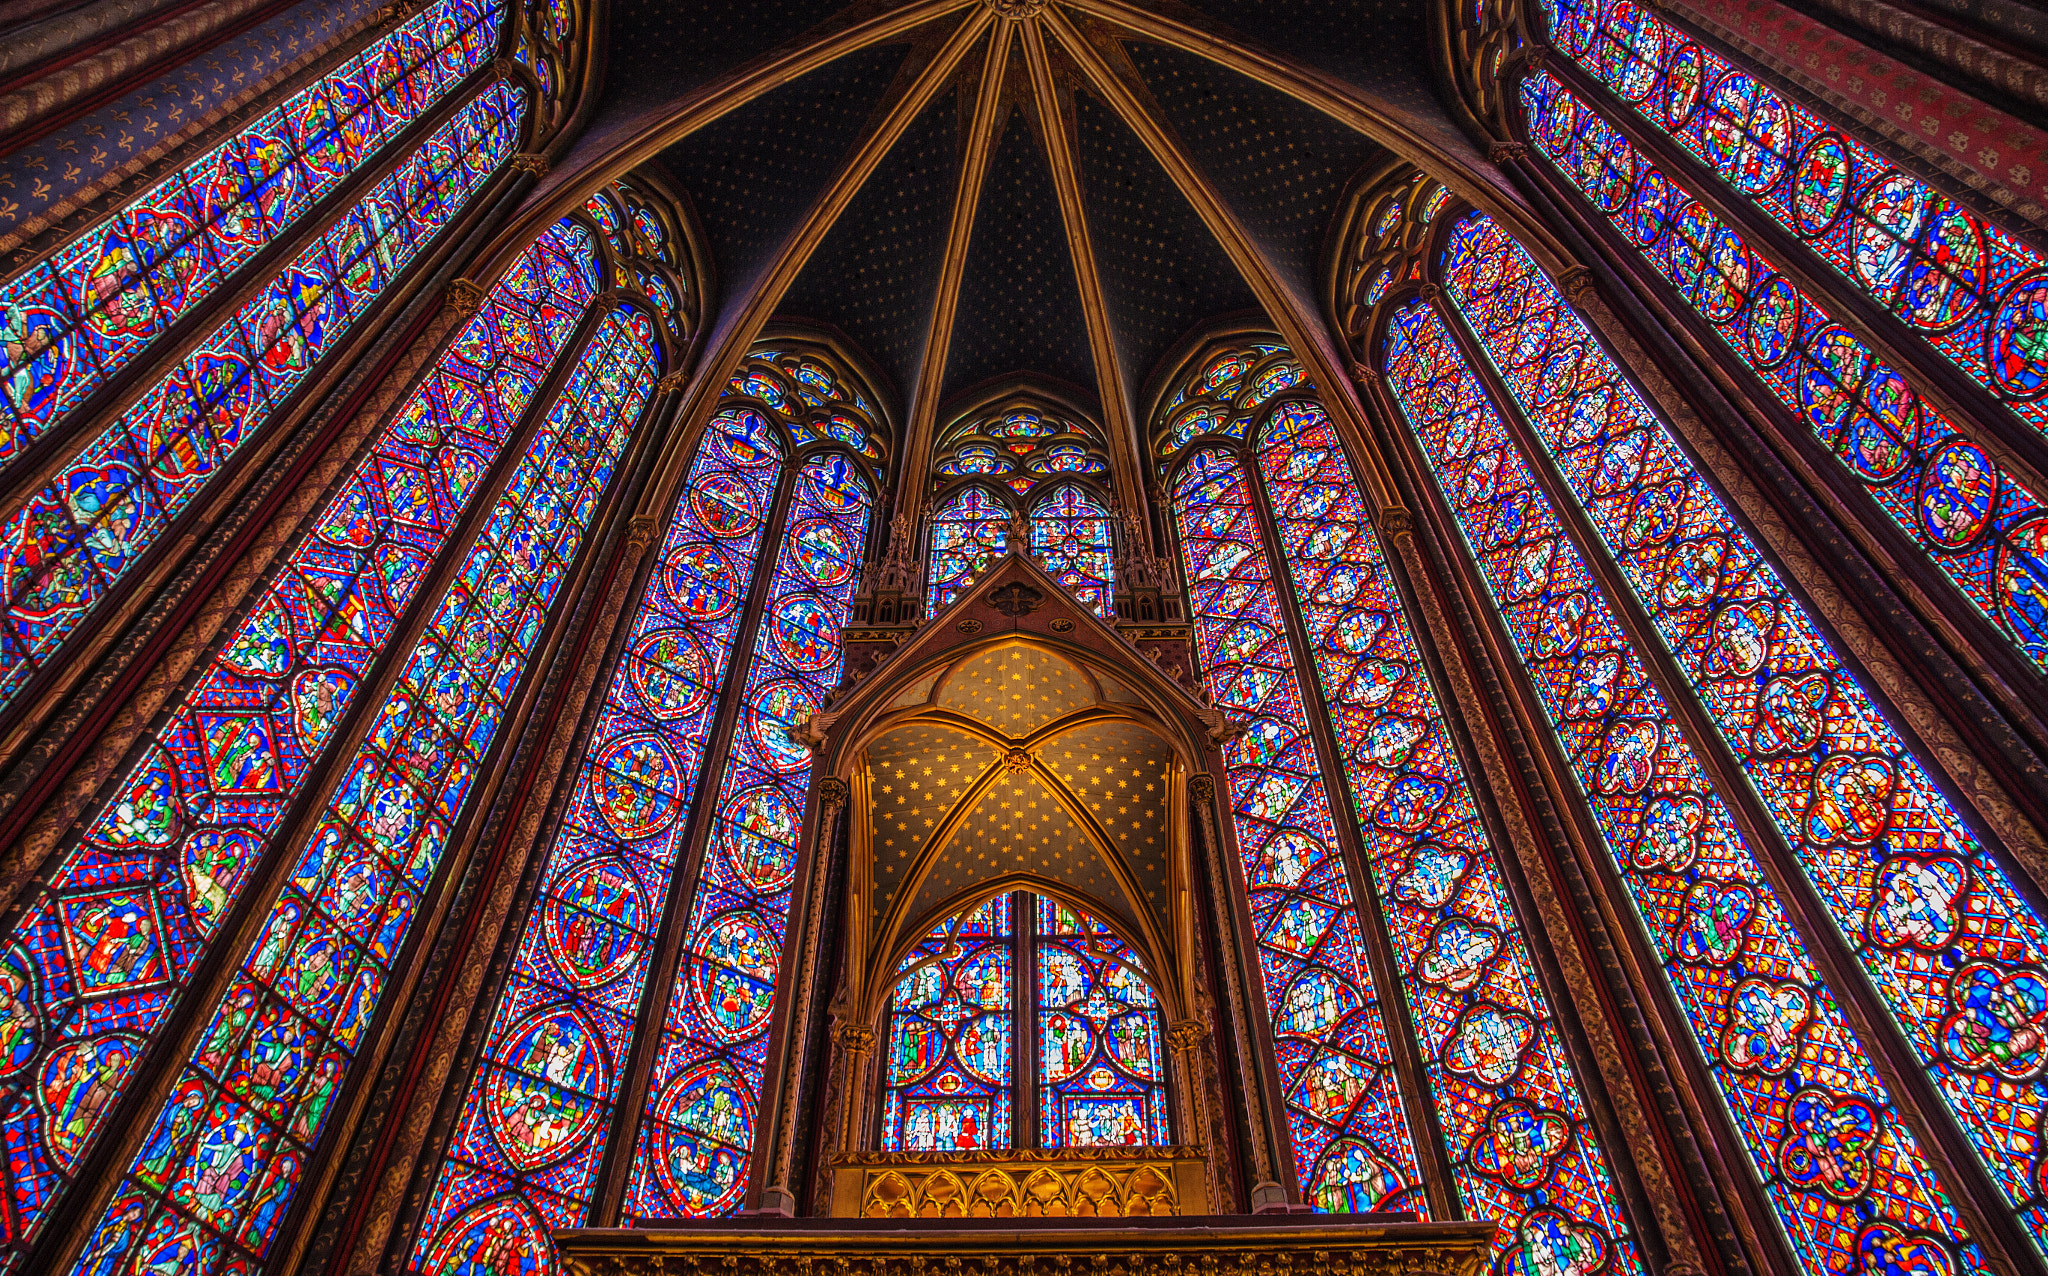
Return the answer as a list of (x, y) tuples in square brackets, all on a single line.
[(1980, 526), (1352, 1147), (951, 1036), (1848, 1182), (225, 1156), (1515, 1127), (1101, 1057), (106, 947), (1950, 944), (1070, 538), (73, 321), (697, 1131), (534, 1123), (969, 532), (71, 541), (1977, 294)]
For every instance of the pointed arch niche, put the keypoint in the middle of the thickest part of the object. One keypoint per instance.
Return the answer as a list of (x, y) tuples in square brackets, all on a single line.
[(1016, 779)]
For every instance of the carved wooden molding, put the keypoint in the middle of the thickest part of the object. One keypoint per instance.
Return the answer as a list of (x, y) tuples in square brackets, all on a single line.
[(1351, 1245)]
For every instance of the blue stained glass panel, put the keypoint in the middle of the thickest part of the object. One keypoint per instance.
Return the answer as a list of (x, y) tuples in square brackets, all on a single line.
[(1070, 538), (1811, 1111), (69, 324), (1982, 527), (1949, 942), (1352, 1146), (951, 1036), (1977, 294), (697, 1130), (109, 943), (1101, 1041), (968, 533), (1515, 1127), (524, 1158), (223, 1160), (71, 541)]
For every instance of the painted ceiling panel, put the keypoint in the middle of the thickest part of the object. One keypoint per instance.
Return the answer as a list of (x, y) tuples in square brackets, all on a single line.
[(1280, 165), (876, 273), (754, 173), (1162, 272), (1016, 689), (918, 773), (1020, 308)]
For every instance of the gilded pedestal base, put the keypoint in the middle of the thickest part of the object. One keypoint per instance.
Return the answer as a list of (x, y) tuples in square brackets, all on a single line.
[(1238, 1245)]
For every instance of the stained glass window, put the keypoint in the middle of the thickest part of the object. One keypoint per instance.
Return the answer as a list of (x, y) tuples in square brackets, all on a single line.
[(1101, 1057), (224, 1157), (1982, 527), (697, 1130), (1070, 537), (969, 532), (1024, 443), (1832, 772), (73, 321), (1221, 398), (72, 540), (950, 1077), (1978, 294), (1506, 1099), (1809, 1107), (1352, 1146), (525, 1156), (952, 1027), (106, 947)]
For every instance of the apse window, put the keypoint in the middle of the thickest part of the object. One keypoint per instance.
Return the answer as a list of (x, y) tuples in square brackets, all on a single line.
[(1088, 1072)]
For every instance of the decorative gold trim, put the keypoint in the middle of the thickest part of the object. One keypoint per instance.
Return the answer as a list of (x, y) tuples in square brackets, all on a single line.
[(1070, 1183)]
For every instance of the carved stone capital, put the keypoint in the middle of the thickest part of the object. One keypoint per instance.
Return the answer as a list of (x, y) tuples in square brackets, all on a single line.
[(1361, 374), (1185, 1034), (1577, 284), (530, 163), (832, 792), (1015, 10), (1202, 788), (1536, 59), (854, 1039), (640, 534), (1395, 522), (668, 383), (1502, 152), (1430, 292), (465, 297)]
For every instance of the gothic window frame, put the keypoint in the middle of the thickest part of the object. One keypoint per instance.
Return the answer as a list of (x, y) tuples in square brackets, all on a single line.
[(1453, 1169), (1948, 470), (1025, 1016), (115, 428), (1871, 1021), (798, 427), (472, 528)]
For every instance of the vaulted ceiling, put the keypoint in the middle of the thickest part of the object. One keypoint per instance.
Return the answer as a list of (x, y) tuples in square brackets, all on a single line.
[(1040, 207)]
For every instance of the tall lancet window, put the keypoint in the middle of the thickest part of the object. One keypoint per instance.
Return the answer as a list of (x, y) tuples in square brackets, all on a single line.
[(633, 976), (1852, 219), (1531, 430), (1301, 632), (129, 448), (1051, 466), (1023, 1022), (968, 532), (1070, 536), (204, 822)]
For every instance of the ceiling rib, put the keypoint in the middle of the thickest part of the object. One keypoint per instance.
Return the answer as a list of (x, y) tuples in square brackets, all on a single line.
[(931, 374), (1214, 42), (1119, 87), (740, 322), (612, 148), (1109, 377)]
